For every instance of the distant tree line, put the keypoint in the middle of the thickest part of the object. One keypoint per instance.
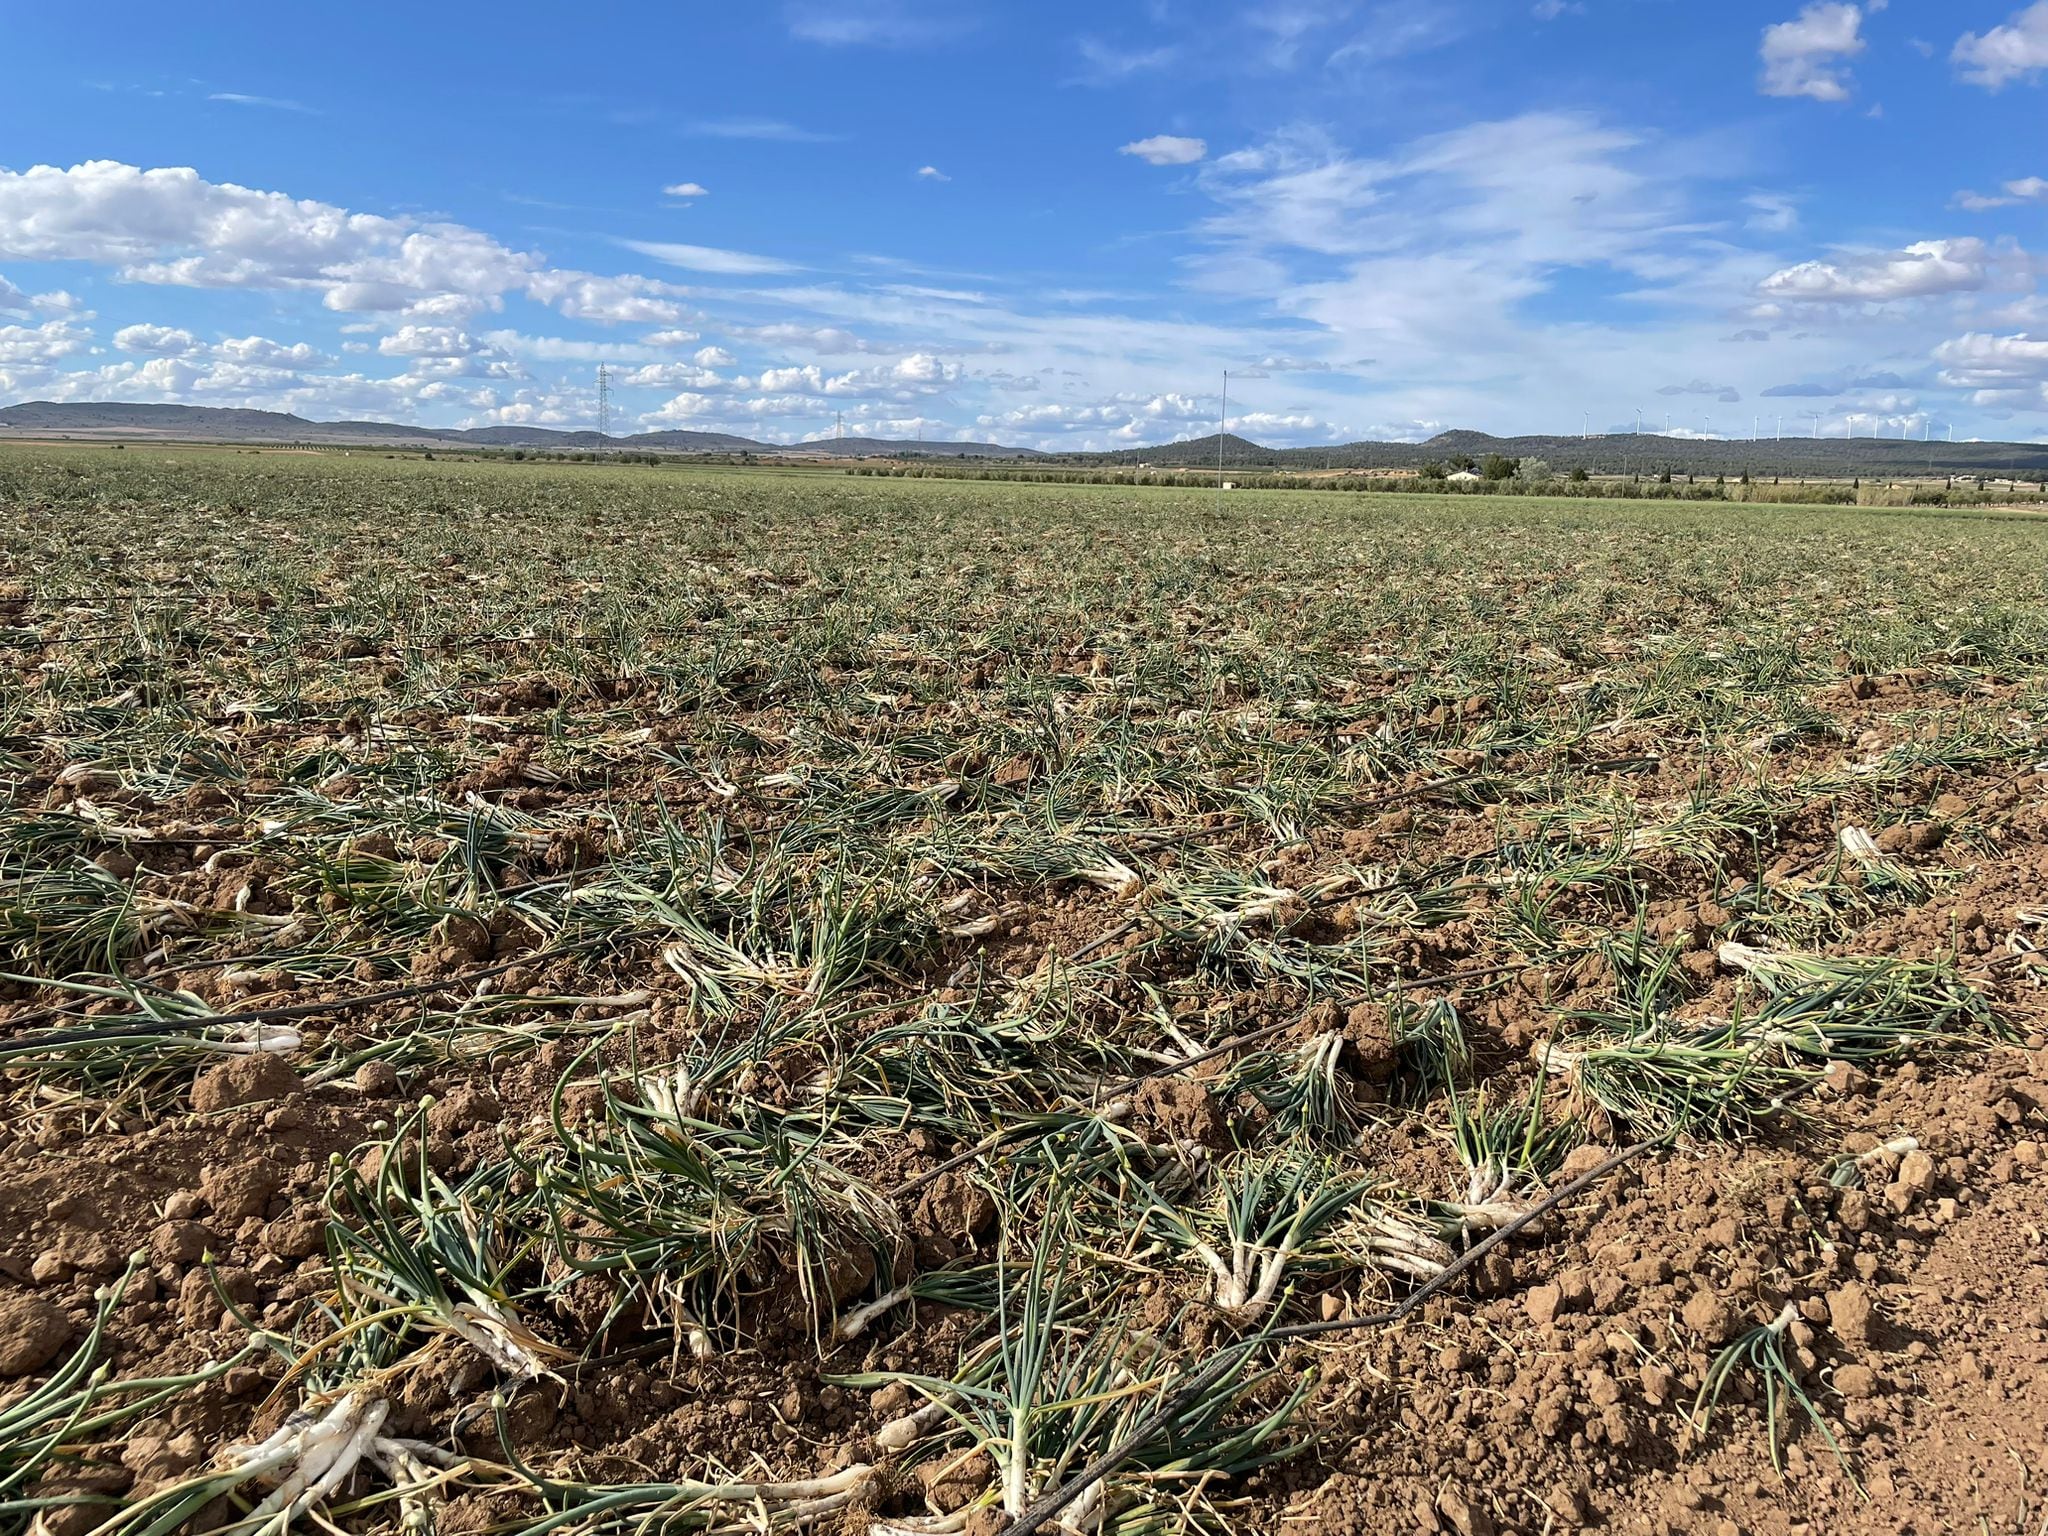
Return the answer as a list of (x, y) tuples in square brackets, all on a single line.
[(1500, 476)]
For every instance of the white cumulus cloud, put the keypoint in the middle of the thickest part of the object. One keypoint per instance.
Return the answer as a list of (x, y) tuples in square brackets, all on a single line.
[(15, 302), (2018, 50), (1804, 56), (1919, 271), (171, 226), (157, 340), (670, 376), (608, 300), (429, 341), (1980, 361), (262, 352), (1167, 149), (33, 345)]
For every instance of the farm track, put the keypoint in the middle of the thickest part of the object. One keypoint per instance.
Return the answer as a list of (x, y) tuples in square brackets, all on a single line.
[(598, 996)]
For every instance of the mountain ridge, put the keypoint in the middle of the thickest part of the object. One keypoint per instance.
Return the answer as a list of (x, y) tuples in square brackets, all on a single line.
[(1612, 453), (234, 424)]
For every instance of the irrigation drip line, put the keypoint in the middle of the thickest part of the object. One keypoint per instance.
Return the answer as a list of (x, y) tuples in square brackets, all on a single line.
[(1421, 791), (141, 979), (1221, 1364), (1227, 1360), (336, 1005), (1030, 1128)]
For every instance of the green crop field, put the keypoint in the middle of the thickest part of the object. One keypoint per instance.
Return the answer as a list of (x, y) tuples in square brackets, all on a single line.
[(633, 998)]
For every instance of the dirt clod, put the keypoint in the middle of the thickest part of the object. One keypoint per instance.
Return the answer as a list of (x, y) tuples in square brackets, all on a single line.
[(956, 1208), (32, 1334), (257, 1078), (1172, 1110), (1462, 1515), (237, 1191), (1856, 1381), (1375, 1050), (1851, 1313)]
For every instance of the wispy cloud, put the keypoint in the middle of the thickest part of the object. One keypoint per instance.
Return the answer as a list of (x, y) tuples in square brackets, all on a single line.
[(1727, 394), (705, 258), (1772, 212), (877, 23), (1397, 28), (1105, 63), (273, 103), (767, 129), (686, 190), (932, 173)]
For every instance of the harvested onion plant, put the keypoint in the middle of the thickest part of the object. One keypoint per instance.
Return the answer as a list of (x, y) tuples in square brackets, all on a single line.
[(75, 1421), (927, 914), (1662, 1076), (135, 1068), (1058, 1389), (417, 1262), (692, 1216), (1263, 1218), (1509, 1151), (1762, 1358)]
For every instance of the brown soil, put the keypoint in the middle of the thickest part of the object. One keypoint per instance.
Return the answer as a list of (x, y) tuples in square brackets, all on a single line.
[(1560, 1396), (1551, 1391)]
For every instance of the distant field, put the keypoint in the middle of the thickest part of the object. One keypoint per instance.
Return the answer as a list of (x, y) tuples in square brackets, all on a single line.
[(765, 998)]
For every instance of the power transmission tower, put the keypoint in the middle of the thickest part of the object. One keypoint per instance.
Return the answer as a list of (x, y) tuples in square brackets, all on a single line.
[(1222, 432), (604, 401)]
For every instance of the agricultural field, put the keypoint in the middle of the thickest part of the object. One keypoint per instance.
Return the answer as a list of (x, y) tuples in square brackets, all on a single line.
[(597, 999)]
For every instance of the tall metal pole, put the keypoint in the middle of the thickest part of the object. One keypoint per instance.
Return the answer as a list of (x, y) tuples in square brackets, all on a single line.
[(1222, 431), (604, 401)]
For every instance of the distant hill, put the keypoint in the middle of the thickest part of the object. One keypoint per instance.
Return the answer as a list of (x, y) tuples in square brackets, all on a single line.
[(1619, 453), (865, 447), (205, 423), (117, 416), (1623, 453)]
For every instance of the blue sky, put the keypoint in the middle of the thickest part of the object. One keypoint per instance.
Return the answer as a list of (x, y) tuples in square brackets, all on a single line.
[(1051, 224)]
